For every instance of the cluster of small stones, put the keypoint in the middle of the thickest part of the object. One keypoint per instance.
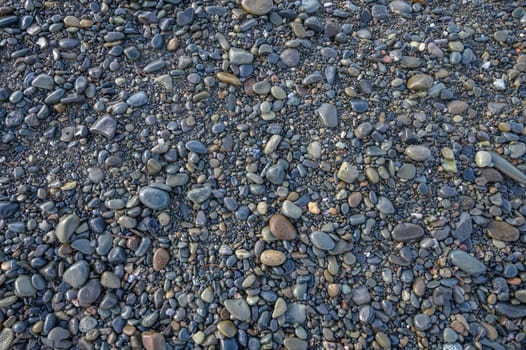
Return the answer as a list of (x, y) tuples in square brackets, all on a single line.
[(262, 174)]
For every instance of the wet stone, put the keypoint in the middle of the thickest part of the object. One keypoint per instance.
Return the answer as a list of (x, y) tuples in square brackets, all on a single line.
[(138, 99), (295, 344), (510, 310), (88, 294), (422, 322), (161, 257), (7, 209)]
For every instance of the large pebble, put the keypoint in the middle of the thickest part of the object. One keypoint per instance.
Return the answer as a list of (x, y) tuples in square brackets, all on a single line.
[(348, 172), (43, 81), (77, 274), (199, 195), (407, 232), (272, 257), (154, 198), (467, 262), (24, 287), (88, 294), (322, 240), (293, 343), (507, 168), (240, 56), (328, 115), (418, 153), (153, 341), (502, 231), (66, 227), (161, 257), (420, 82), (282, 228), (290, 210), (257, 7), (105, 126), (510, 310), (7, 209), (483, 159), (238, 309), (6, 338)]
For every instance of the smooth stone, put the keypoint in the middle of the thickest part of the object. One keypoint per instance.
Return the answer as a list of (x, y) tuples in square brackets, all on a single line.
[(153, 341), (420, 82), (282, 228), (24, 287), (77, 274), (105, 126), (363, 130), (199, 195), (58, 334), (8, 209), (379, 11), (348, 173), (66, 227), (293, 343), (161, 257), (196, 146), (275, 174), (8, 21), (401, 8), (521, 295), (467, 263), (383, 340), (322, 240), (227, 328), (154, 198), (457, 107), (257, 7), (239, 56), (272, 257), (138, 99), (110, 280), (360, 295), (291, 57), (502, 231), (464, 227), (422, 322), (87, 323), (418, 153), (280, 307), (7, 336), (511, 311), (296, 313), (359, 106), (483, 159), (154, 66), (43, 81), (507, 168), (88, 294), (290, 210), (238, 309), (407, 232), (328, 114), (385, 206)]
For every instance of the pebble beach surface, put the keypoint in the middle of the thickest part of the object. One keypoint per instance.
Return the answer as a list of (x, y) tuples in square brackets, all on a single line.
[(262, 174)]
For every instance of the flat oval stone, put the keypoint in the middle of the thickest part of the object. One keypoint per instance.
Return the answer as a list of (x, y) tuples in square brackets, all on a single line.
[(257, 7), (291, 57), (238, 309), (227, 328), (507, 168), (503, 231), (282, 228), (272, 257), (138, 99), (294, 343), (407, 232), (154, 198), (291, 210), (58, 333), (418, 153), (457, 107), (161, 257), (196, 146), (420, 82), (467, 263), (322, 240)]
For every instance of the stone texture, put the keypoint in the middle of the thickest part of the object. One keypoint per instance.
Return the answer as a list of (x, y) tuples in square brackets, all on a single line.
[(282, 228)]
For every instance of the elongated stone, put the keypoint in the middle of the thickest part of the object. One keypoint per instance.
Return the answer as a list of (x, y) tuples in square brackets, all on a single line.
[(507, 168), (467, 263), (511, 311), (407, 232)]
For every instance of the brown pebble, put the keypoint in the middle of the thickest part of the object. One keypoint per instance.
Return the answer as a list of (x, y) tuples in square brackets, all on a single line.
[(503, 231), (354, 199), (282, 228), (333, 290), (228, 78), (161, 257), (153, 341)]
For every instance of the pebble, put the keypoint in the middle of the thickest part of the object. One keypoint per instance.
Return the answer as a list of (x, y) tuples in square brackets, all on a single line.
[(257, 7), (510, 310), (507, 168), (227, 328), (291, 57), (43, 81), (282, 228), (418, 153), (322, 240), (348, 173), (199, 195), (77, 274), (89, 293), (153, 341), (161, 257), (238, 309), (293, 343), (407, 232), (467, 262), (154, 198), (290, 210), (420, 82), (328, 115), (502, 231), (483, 159), (105, 126), (240, 56), (7, 336), (138, 99), (67, 227), (24, 287), (272, 257)]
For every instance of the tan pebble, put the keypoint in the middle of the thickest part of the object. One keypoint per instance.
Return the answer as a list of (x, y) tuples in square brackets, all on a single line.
[(282, 228), (153, 341), (272, 257), (228, 78), (85, 23), (313, 208), (333, 290), (129, 330)]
